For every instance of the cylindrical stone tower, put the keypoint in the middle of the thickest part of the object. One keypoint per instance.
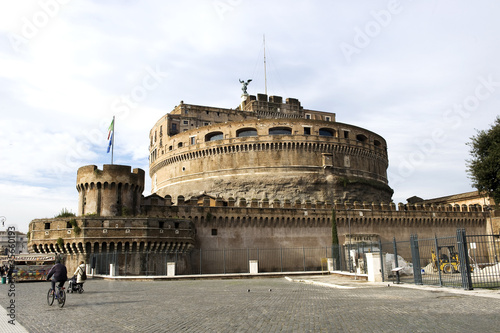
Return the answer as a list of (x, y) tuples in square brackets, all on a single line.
[(112, 191)]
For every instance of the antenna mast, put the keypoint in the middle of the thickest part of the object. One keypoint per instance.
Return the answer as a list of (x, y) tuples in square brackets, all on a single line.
[(265, 71)]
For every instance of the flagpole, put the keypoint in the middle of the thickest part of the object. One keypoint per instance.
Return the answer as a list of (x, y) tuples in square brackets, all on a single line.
[(113, 140)]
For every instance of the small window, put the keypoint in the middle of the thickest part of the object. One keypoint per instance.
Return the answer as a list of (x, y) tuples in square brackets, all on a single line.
[(192, 140), (214, 232), (169, 147), (377, 143), (185, 122), (214, 136), (174, 127), (206, 124), (308, 116), (346, 134), (47, 225), (280, 131), (361, 138), (328, 118), (179, 145), (326, 132), (307, 130), (161, 224), (245, 132), (176, 225), (68, 225)]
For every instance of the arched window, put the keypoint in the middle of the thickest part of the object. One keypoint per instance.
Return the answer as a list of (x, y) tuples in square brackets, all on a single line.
[(213, 136), (280, 131), (326, 132), (244, 132), (361, 137), (377, 143)]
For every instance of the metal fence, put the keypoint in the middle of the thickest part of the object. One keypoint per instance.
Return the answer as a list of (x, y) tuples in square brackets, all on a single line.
[(461, 261), (234, 261)]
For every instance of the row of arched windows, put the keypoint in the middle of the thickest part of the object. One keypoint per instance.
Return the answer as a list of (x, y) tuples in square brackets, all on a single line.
[(248, 147), (96, 247)]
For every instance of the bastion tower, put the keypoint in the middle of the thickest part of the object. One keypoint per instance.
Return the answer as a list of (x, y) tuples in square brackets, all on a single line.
[(266, 148), (112, 191)]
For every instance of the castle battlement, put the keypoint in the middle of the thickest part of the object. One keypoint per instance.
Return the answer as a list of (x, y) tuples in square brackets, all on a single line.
[(113, 191), (207, 201), (95, 234)]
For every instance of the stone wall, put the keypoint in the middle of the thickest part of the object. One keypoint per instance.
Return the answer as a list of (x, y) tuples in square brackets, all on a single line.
[(271, 224), (112, 191), (274, 166)]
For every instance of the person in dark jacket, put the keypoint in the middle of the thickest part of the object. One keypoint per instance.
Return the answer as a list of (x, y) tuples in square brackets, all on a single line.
[(9, 273), (58, 273)]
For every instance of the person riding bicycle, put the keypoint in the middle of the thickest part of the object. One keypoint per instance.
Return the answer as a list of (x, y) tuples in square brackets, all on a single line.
[(58, 273)]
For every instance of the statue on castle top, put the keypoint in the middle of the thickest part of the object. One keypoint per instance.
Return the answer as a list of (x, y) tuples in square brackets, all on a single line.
[(245, 84)]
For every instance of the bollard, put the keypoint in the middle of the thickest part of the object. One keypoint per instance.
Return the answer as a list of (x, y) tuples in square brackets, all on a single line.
[(254, 266)]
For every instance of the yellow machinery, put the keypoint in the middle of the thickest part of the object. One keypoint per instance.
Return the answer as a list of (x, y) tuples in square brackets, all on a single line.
[(448, 259)]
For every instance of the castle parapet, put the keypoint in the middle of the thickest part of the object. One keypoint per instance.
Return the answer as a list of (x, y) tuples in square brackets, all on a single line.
[(113, 191)]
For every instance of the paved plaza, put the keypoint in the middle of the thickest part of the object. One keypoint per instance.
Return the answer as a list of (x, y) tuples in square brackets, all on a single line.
[(297, 304)]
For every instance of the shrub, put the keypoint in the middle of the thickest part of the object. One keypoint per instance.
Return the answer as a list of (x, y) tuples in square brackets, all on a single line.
[(65, 213)]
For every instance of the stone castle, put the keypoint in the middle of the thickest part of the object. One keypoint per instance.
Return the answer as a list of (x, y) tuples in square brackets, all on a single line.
[(266, 174)]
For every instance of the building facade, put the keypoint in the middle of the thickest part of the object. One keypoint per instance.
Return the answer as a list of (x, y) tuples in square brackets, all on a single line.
[(266, 149), (267, 174)]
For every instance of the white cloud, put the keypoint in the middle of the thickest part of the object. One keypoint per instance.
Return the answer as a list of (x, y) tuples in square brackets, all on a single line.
[(60, 91)]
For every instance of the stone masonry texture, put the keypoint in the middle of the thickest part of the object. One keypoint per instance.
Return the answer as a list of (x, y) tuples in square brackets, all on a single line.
[(250, 305)]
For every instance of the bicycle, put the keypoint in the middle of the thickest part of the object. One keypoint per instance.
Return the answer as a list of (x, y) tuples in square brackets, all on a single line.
[(60, 295)]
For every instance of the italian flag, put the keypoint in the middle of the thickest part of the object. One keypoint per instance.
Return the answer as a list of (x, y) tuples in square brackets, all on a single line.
[(111, 130)]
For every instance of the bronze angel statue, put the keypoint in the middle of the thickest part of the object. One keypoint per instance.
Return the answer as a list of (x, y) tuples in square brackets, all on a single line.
[(245, 84)]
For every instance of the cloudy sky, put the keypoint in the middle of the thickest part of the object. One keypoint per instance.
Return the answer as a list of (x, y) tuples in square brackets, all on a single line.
[(423, 74)]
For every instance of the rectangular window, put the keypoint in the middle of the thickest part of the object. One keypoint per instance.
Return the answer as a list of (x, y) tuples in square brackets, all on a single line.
[(307, 130), (185, 122), (47, 225), (192, 140), (214, 232), (327, 118), (308, 116), (161, 224), (346, 134)]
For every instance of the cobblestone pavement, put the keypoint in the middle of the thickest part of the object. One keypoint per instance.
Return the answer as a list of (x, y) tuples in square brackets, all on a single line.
[(251, 305)]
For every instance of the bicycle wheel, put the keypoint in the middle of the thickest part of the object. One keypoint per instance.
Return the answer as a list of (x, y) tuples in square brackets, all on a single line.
[(50, 297), (61, 298)]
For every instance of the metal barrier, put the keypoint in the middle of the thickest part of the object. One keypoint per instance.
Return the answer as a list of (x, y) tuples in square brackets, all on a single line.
[(233, 261), (461, 261)]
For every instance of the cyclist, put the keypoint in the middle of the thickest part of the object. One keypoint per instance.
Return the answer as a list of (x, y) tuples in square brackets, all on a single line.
[(58, 273)]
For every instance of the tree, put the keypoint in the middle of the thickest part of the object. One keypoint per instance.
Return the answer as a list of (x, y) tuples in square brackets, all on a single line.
[(484, 167)]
